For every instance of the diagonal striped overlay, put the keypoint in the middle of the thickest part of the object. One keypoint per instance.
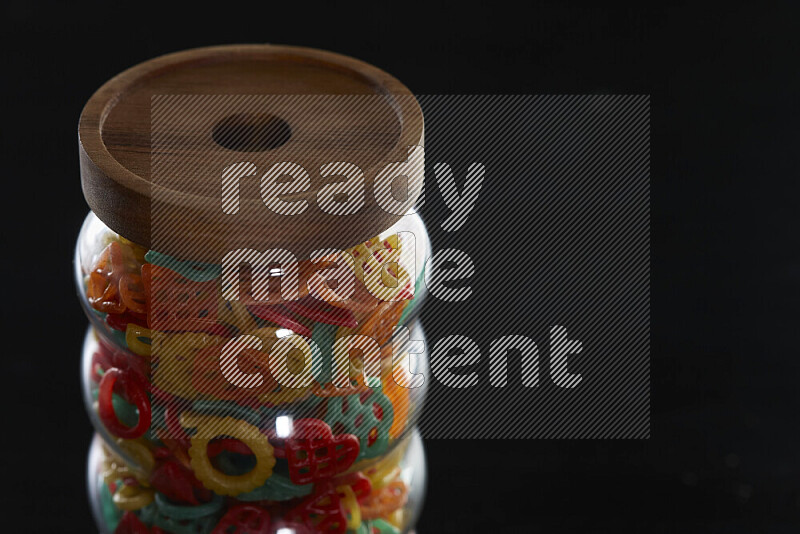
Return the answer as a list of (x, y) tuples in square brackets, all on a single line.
[(541, 202), (559, 237)]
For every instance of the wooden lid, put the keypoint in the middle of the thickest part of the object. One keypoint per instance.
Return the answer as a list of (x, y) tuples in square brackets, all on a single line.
[(156, 139)]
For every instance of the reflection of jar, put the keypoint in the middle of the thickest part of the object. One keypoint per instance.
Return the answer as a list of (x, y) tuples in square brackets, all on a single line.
[(227, 401)]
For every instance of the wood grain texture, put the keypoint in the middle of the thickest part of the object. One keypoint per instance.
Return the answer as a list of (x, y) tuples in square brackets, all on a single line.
[(337, 109)]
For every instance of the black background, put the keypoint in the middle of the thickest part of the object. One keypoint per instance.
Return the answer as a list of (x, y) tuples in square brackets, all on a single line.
[(724, 454)]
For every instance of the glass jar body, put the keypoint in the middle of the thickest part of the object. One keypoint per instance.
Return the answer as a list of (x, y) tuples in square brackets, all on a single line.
[(205, 427)]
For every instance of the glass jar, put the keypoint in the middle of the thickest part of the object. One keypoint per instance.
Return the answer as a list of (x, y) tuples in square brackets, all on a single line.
[(250, 364)]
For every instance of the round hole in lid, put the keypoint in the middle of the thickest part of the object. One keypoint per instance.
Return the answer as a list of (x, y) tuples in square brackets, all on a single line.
[(251, 132)]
